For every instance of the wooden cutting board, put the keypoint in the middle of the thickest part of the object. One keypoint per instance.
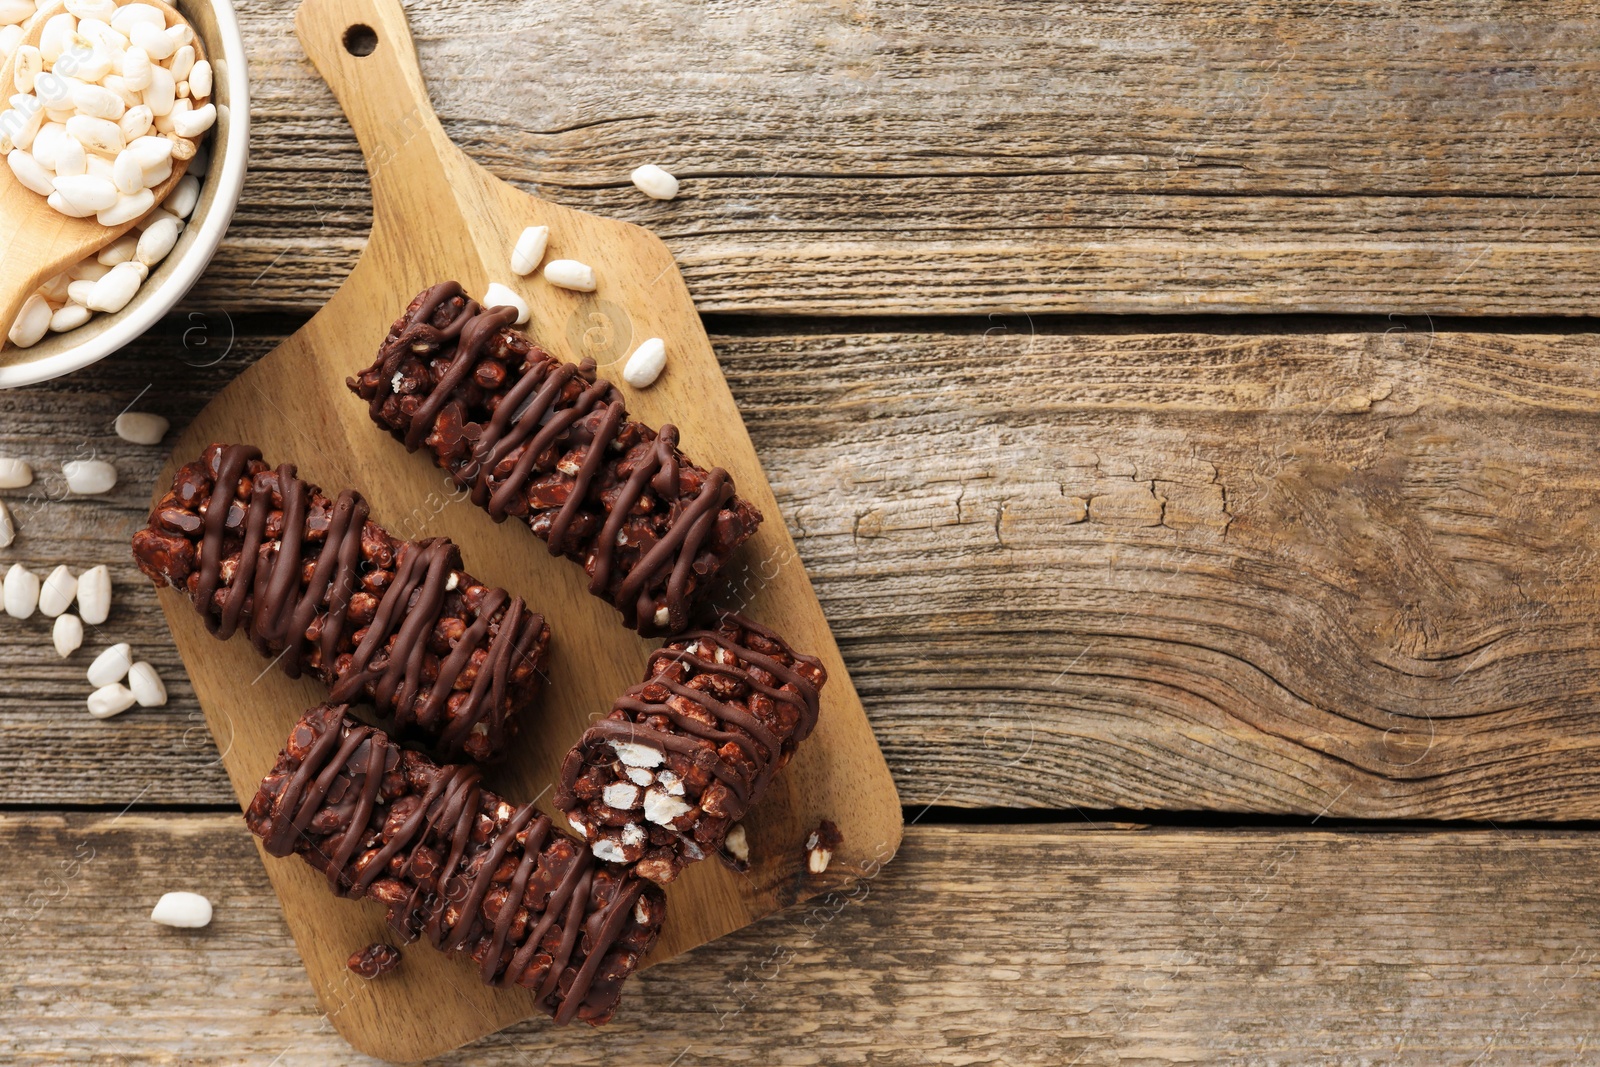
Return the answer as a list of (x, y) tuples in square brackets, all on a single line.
[(437, 215)]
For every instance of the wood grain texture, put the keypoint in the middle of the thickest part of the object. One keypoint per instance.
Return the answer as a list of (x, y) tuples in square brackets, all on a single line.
[(914, 156), (1335, 573), (440, 217), (1038, 945)]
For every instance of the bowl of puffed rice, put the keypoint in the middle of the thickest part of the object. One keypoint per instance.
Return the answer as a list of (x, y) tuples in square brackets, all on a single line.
[(110, 96)]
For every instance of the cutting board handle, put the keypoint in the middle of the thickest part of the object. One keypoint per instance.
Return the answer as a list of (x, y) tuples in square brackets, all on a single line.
[(363, 50)]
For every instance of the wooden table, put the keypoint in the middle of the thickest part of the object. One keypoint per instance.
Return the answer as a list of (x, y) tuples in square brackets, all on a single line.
[(1187, 415)]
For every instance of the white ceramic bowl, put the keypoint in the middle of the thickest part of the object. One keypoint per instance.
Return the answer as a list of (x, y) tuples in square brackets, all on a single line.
[(63, 353)]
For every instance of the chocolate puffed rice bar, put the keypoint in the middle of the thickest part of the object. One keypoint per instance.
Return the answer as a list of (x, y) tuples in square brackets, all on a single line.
[(550, 444), (315, 583), (660, 782), (456, 864)]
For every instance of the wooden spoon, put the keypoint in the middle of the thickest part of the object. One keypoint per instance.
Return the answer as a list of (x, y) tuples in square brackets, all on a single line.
[(37, 242)]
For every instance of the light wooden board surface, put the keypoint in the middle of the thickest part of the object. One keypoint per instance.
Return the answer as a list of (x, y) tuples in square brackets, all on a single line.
[(1333, 573), (1030, 945), (441, 217), (914, 155)]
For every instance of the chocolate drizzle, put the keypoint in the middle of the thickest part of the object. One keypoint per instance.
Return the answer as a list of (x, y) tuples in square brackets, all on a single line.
[(555, 415), (258, 567), (760, 745), (349, 778), (699, 701)]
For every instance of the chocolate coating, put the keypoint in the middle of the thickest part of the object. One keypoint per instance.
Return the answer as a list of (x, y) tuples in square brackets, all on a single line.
[(316, 584), (456, 864), (548, 442), (658, 783)]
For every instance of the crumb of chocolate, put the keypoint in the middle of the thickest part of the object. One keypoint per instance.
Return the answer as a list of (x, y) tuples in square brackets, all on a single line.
[(820, 846), (374, 961)]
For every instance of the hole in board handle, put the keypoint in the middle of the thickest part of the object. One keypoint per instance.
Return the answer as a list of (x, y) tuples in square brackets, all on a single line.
[(360, 40)]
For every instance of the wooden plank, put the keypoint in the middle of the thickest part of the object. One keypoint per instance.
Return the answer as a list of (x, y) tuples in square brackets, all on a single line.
[(162, 755), (1117, 946), (1332, 573), (1145, 156)]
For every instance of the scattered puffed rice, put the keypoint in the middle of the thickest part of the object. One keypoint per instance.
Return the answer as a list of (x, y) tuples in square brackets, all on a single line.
[(570, 274), (67, 635), (200, 80), (156, 44), (112, 665), (150, 152), (90, 477), (146, 685), (29, 172), (182, 63), (820, 844), (126, 209), (98, 136), (529, 252), (8, 529), (194, 123), (117, 287), (33, 322), (122, 249), (16, 11), (646, 363), (184, 196), (654, 182), (129, 15), (57, 591), (109, 700), (157, 240), (21, 591), (136, 69), (70, 317), (89, 271), (15, 474), (94, 595), (499, 295), (190, 910), (141, 428), (87, 193), (55, 289), (737, 843)]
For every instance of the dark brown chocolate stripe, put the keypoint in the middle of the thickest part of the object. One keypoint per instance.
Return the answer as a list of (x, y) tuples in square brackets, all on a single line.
[(231, 468), (447, 813), (676, 712), (603, 929), (809, 694), (527, 418), (281, 609)]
